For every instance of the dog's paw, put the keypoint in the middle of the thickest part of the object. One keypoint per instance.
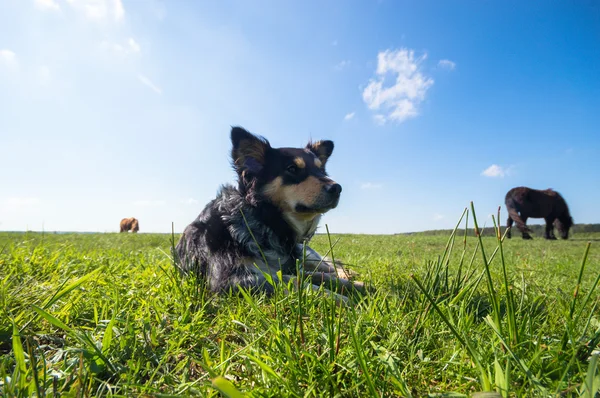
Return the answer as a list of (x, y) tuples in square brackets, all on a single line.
[(342, 271)]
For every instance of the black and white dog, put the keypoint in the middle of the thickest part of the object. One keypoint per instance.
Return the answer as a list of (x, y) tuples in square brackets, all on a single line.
[(262, 226)]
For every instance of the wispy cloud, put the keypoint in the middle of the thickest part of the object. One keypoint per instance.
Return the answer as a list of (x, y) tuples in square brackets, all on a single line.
[(399, 100), (446, 64), (371, 185), (9, 59), (495, 171), (147, 82), (349, 116), (379, 119), (130, 46), (149, 203), (189, 201), (99, 9), (50, 5), (342, 64), (438, 217)]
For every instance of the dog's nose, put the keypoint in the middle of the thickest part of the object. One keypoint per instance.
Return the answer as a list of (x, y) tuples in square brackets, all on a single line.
[(334, 189)]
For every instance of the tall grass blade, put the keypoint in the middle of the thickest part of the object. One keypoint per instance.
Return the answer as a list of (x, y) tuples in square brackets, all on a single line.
[(491, 291)]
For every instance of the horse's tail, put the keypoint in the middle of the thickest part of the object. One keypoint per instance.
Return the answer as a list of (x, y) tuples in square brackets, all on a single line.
[(514, 214)]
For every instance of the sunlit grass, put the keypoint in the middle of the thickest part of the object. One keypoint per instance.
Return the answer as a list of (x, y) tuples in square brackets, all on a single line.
[(106, 314)]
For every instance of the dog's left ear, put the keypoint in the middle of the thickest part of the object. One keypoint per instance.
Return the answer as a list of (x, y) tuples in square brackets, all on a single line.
[(248, 152), (322, 149)]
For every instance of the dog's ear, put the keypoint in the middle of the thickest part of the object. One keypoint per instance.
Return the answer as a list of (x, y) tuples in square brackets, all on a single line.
[(322, 149), (248, 152)]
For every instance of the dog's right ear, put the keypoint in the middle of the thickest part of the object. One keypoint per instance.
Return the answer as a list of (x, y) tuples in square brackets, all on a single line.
[(248, 151)]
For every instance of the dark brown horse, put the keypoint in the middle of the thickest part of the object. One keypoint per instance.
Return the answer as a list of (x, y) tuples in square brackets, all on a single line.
[(130, 224), (523, 203)]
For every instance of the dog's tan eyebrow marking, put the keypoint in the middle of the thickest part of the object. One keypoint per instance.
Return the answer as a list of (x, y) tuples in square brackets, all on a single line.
[(300, 162), (318, 163)]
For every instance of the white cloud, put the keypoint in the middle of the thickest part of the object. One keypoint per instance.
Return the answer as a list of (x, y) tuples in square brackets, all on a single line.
[(189, 201), (147, 82), (446, 64), (9, 59), (149, 203), (400, 99), (371, 185), (349, 116), (495, 171), (99, 9), (438, 217), (47, 5), (342, 64)]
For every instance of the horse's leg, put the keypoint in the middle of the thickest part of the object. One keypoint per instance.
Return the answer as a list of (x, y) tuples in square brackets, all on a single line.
[(549, 233), (509, 224), (523, 228)]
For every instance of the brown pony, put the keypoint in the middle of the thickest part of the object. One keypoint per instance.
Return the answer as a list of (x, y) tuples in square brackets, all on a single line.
[(523, 203), (130, 224)]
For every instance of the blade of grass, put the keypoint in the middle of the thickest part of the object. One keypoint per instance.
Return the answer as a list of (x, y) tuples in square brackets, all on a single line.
[(19, 353), (226, 388), (490, 283)]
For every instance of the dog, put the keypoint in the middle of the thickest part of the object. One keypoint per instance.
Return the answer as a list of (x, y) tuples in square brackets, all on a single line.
[(250, 232), (129, 224)]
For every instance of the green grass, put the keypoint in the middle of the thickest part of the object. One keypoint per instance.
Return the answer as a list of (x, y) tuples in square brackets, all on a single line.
[(105, 314)]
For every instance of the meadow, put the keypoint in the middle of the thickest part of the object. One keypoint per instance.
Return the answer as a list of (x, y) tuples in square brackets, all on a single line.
[(449, 315)]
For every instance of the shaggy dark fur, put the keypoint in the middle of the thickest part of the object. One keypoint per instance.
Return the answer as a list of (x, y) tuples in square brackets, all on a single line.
[(260, 227), (523, 203), (129, 224)]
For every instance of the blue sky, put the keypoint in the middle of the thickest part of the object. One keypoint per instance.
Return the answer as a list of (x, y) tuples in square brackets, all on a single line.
[(116, 108)]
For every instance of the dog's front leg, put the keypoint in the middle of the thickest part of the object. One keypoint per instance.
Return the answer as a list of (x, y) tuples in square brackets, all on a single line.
[(313, 261), (332, 281), (339, 298)]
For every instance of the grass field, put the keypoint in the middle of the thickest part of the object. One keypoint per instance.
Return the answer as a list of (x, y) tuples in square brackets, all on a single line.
[(105, 314)]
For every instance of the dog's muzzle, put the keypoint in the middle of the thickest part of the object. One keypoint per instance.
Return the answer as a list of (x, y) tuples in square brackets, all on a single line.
[(329, 199)]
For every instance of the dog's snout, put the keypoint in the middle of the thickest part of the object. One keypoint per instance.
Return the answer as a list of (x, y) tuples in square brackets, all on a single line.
[(334, 189)]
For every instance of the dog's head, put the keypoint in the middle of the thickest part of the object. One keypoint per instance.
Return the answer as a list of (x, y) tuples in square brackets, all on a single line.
[(293, 179)]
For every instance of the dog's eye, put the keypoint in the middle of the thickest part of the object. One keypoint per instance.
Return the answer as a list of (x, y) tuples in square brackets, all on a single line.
[(292, 169)]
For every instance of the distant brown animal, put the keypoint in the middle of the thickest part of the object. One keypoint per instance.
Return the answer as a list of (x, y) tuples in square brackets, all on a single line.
[(130, 224), (523, 203)]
